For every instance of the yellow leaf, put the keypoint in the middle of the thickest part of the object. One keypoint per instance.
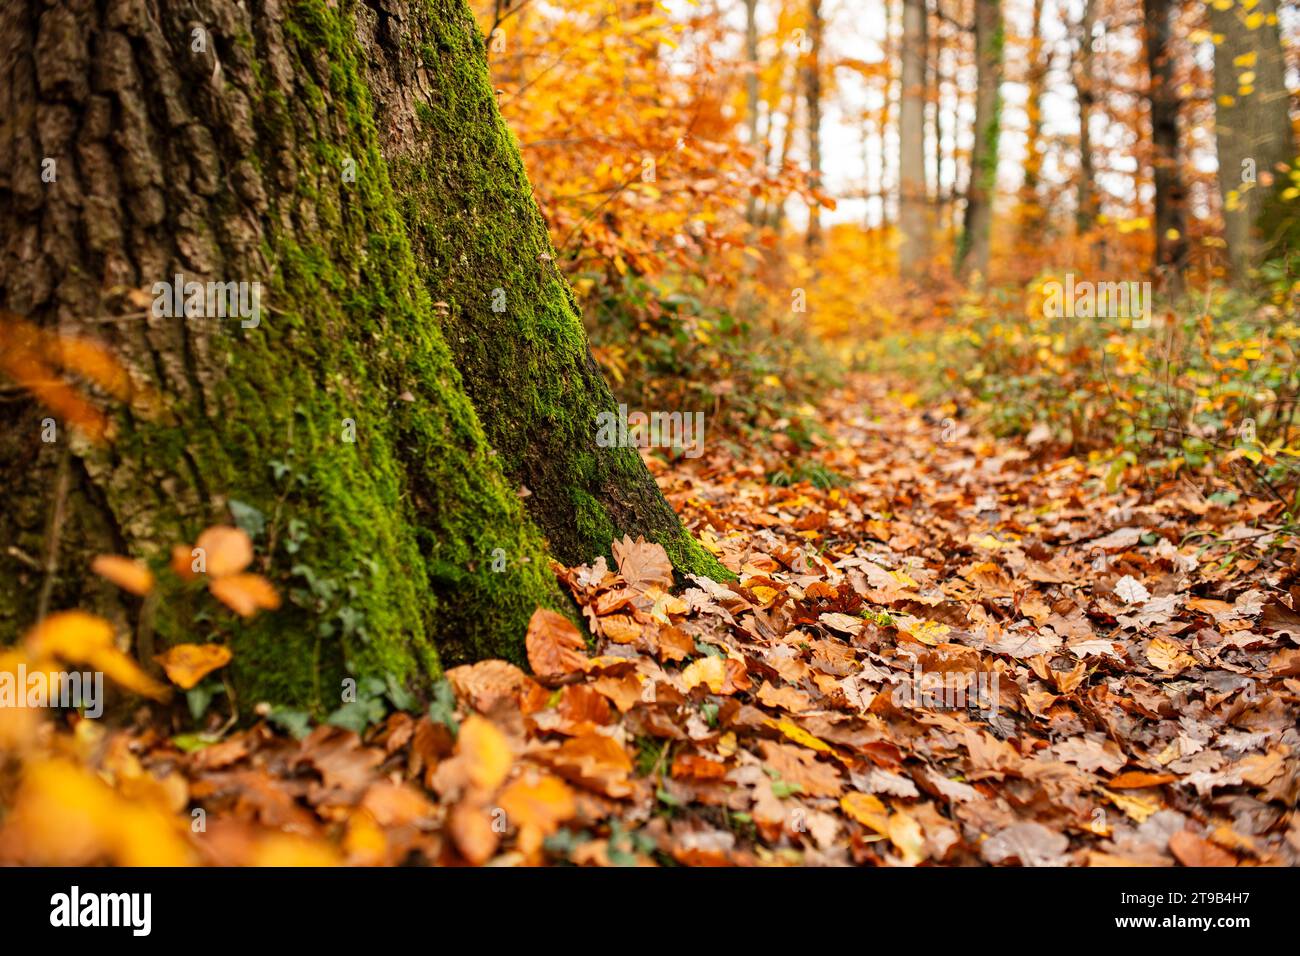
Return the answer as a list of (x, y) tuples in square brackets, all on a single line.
[(1168, 656), (1139, 808), (486, 752), (707, 670), (81, 638), (801, 736), (289, 849), (66, 816), (70, 635), (906, 834), (867, 809)]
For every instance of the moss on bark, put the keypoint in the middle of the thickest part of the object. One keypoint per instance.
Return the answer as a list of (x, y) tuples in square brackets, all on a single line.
[(512, 321), (383, 546)]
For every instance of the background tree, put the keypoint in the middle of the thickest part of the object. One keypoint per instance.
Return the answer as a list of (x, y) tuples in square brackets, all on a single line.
[(1081, 71), (912, 198), (973, 249), (813, 103), (1170, 218), (1252, 124)]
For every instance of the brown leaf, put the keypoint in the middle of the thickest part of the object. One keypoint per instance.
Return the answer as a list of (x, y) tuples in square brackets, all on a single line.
[(597, 762), (486, 684), (555, 646), (1190, 850), (643, 564)]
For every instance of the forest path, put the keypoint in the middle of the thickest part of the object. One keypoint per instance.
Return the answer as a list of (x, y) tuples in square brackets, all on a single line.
[(961, 651)]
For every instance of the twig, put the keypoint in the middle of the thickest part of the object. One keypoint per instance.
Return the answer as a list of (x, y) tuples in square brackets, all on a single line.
[(54, 533)]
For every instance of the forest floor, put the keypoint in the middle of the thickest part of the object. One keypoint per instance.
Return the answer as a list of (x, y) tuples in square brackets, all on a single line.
[(942, 649)]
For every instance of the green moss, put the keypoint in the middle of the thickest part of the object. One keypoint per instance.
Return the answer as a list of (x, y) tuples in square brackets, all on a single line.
[(381, 547), (512, 321)]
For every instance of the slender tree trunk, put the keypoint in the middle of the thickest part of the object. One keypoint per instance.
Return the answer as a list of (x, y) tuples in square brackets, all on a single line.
[(973, 249), (1252, 124), (933, 98), (373, 424), (1085, 216), (1171, 194), (911, 141), (776, 215), (813, 98), (1031, 206), (751, 98)]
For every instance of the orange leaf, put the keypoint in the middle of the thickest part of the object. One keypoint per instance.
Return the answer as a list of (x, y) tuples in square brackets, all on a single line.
[(126, 573), (187, 664), (470, 826), (183, 558), (642, 563), (245, 593), (555, 646), (537, 803), (1191, 850), (226, 550), (1137, 779), (71, 635), (486, 752)]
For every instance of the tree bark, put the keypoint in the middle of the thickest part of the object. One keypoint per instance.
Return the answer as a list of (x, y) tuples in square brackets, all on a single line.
[(974, 245), (1170, 192), (752, 100), (1085, 216), (911, 141), (1031, 208), (349, 158), (813, 98), (1252, 125)]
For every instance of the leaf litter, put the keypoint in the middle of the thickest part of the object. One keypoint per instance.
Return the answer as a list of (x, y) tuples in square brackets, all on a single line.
[(957, 652)]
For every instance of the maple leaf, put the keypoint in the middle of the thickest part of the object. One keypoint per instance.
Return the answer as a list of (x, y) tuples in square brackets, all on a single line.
[(642, 564)]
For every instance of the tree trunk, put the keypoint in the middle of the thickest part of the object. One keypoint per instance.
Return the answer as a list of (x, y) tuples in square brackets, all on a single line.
[(350, 159), (911, 141), (813, 97), (752, 100), (1031, 207), (1252, 124), (1085, 216), (973, 247), (1171, 195), (934, 97)]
